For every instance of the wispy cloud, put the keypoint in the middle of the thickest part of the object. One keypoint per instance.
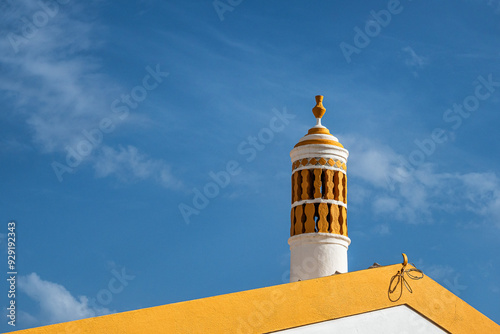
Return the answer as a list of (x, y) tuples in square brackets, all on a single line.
[(414, 196), (51, 79), (439, 272), (483, 195), (128, 164), (382, 229), (446, 275), (56, 303), (403, 195), (13, 145), (414, 61), (54, 83)]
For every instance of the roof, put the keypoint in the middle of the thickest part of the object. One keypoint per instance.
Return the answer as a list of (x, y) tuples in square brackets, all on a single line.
[(290, 305)]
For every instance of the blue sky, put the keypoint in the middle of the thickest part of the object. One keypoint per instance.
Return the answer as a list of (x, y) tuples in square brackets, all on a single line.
[(115, 115)]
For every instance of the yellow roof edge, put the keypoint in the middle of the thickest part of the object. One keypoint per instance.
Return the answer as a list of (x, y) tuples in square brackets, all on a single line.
[(289, 305)]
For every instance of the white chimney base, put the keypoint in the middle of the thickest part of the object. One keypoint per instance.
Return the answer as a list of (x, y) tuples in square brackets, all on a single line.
[(316, 255)]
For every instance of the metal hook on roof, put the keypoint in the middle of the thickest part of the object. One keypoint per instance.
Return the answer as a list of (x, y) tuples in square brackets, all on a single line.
[(405, 259), (399, 279)]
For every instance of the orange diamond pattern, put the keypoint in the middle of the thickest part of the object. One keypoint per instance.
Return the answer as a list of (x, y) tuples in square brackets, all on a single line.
[(321, 161)]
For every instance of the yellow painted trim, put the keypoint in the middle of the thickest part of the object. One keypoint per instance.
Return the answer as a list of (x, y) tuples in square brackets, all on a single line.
[(289, 305), (318, 131), (319, 141)]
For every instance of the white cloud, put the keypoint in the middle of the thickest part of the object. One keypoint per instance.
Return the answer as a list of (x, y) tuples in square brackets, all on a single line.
[(56, 86), (382, 229), (446, 275), (483, 194), (59, 89), (392, 188), (56, 303), (27, 320), (385, 204), (414, 61), (9, 144), (439, 272), (415, 195), (128, 164), (371, 165)]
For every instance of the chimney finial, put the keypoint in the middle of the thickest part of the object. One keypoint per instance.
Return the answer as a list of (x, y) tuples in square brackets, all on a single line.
[(319, 110)]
